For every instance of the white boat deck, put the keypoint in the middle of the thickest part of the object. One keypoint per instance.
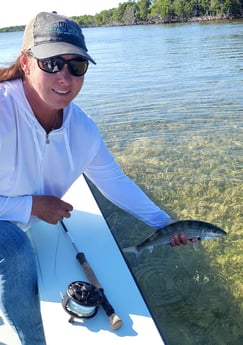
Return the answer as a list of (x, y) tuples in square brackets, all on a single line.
[(58, 268)]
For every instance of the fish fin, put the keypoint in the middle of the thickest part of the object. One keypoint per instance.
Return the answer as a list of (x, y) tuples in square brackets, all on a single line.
[(196, 245), (150, 249)]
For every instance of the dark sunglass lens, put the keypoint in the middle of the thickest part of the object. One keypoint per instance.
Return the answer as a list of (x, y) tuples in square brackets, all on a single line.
[(52, 65), (78, 67)]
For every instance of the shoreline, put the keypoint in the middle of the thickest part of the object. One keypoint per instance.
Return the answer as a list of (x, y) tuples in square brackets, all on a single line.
[(155, 21)]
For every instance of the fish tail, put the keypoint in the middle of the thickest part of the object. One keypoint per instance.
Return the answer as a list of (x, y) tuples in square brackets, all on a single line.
[(131, 250)]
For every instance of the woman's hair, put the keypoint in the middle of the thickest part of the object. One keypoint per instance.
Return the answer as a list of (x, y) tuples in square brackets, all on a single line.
[(12, 72)]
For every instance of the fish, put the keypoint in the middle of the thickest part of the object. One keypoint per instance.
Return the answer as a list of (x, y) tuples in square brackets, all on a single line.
[(191, 228)]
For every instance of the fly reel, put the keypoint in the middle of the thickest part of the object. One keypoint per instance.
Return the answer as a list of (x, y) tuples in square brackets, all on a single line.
[(81, 300)]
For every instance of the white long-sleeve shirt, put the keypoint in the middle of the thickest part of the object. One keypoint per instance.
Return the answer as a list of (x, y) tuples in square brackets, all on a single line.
[(29, 165)]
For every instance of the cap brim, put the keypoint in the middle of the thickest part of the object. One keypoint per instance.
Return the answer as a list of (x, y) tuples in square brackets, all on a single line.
[(47, 50)]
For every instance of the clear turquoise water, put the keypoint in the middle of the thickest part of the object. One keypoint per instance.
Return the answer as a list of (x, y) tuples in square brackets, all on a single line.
[(168, 101)]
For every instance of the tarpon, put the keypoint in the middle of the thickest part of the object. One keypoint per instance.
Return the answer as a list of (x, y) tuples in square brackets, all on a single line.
[(191, 228)]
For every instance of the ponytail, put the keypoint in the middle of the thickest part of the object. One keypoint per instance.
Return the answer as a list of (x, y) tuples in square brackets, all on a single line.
[(13, 72)]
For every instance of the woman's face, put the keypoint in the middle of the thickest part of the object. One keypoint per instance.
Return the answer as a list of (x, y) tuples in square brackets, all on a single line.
[(49, 91)]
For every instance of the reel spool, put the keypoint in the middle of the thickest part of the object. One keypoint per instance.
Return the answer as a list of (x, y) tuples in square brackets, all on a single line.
[(81, 300)]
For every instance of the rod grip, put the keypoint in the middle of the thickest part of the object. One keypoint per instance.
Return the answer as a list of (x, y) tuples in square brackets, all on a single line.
[(88, 270)]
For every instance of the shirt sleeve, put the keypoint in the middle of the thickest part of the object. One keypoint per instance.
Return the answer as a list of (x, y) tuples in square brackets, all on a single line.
[(107, 176), (16, 209)]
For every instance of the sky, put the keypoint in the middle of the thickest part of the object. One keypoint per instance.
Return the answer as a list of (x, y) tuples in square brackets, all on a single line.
[(20, 12)]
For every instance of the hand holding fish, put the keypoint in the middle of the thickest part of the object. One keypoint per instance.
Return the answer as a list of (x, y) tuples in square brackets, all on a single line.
[(179, 239), (176, 233)]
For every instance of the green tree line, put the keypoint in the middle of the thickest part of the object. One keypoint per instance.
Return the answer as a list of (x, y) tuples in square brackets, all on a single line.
[(159, 11)]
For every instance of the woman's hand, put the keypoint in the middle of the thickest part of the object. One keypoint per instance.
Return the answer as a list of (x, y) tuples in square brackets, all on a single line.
[(50, 208), (180, 239)]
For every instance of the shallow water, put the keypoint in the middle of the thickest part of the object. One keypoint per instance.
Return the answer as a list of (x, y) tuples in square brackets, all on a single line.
[(168, 101), (171, 112)]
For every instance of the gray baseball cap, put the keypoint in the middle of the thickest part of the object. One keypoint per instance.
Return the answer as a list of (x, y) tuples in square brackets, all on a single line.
[(50, 34)]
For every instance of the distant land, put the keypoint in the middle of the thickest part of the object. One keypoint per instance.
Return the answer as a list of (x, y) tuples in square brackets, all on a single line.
[(144, 12)]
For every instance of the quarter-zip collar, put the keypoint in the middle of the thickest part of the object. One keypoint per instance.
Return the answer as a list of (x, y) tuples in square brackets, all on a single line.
[(40, 137)]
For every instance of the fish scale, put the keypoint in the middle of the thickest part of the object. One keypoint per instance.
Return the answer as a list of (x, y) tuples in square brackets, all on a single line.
[(191, 228)]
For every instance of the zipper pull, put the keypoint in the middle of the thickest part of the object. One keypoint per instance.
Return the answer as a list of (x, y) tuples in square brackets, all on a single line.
[(47, 139)]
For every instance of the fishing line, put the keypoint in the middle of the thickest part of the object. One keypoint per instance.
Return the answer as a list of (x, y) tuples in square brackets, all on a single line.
[(38, 261), (112, 220)]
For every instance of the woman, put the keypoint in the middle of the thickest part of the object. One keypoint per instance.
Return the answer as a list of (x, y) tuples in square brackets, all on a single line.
[(46, 142)]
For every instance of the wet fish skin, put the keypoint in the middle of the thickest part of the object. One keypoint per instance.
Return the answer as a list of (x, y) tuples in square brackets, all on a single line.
[(191, 228)]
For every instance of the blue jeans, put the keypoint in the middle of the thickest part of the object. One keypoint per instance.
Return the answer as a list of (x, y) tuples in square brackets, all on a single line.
[(18, 284)]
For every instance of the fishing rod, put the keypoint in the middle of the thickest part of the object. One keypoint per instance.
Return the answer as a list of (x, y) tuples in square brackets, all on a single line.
[(114, 319)]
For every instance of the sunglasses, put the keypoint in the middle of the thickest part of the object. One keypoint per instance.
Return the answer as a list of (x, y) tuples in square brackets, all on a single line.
[(77, 67)]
